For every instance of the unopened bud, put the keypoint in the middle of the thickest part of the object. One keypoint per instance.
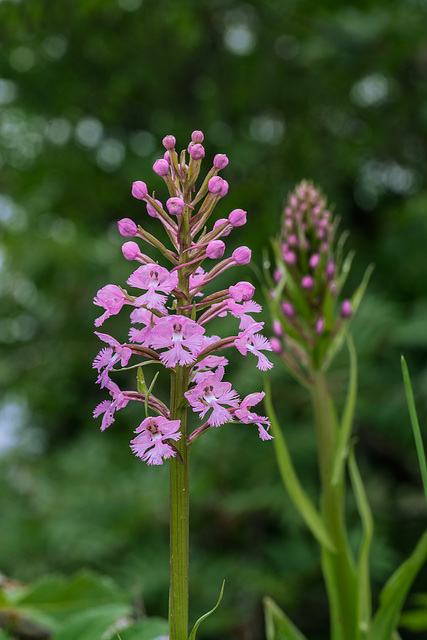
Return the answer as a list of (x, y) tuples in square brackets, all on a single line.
[(307, 283), (130, 250), (169, 142), (346, 309), (215, 249), (220, 161), (237, 218), (175, 206), (127, 228), (215, 184), (139, 190), (196, 151), (242, 255), (288, 310), (276, 345), (197, 136), (161, 167)]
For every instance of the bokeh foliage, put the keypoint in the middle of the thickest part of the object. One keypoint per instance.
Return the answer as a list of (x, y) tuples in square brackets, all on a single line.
[(334, 92)]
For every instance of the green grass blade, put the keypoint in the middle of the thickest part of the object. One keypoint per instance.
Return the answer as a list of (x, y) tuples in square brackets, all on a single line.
[(344, 434), (414, 422), (364, 583), (394, 593), (196, 626), (277, 624)]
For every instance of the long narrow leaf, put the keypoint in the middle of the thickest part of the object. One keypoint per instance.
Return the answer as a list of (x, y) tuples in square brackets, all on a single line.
[(300, 499), (364, 583), (196, 626), (415, 424), (394, 593), (277, 624), (344, 433)]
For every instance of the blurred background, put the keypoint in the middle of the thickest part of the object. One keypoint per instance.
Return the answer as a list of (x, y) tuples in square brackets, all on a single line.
[(329, 91)]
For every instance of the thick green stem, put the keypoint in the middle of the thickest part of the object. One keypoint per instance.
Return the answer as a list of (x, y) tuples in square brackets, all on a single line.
[(179, 499), (338, 567), (179, 515)]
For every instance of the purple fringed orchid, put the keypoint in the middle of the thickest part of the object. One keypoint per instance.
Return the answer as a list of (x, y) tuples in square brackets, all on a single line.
[(171, 311)]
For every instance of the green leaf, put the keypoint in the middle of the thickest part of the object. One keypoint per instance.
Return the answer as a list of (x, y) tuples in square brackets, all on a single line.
[(394, 593), (414, 620), (140, 384), (415, 424), (147, 629), (300, 499), (147, 397), (52, 599), (363, 577), (344, 432), (196, 626), (277, 624), (92, 624)]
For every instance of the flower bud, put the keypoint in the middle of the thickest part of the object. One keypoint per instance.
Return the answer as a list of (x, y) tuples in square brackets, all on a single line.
[(196, 151), (139, 190), (224, 189), (215, 184), (320, 325), (330, 270), (221, 221), (314, 260), (130, 250), (151, 210), (215, 249), (237, 218), (277, 328), (175, 206), (169, 142), (290, 257), (197, 136), (220, 161), (161, 167), (127, 228), (307, 283), (276, 345), (242, 291), (288, 310), (242, 255), (346, 309)]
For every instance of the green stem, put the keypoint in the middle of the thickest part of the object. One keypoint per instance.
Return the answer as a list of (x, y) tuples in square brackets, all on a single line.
[(338, 567), (179, 498), (179, 514)]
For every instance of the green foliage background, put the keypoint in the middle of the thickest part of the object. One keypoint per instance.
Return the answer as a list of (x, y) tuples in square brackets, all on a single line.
[(330, 91)]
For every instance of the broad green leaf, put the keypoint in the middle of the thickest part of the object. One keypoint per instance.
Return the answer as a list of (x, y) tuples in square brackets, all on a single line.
[(300, 499), (196, 626), (52, 599), (146, 629), (364, 583), (277, 624), (415, 424), (344, 431), (394, 593), (92, 624)]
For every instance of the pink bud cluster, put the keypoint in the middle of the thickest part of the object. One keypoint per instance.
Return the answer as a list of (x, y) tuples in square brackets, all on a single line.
[(171, 311), (308, 277)]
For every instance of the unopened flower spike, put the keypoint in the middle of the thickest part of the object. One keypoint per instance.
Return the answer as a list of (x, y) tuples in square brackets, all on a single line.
[(309, 276)]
